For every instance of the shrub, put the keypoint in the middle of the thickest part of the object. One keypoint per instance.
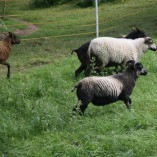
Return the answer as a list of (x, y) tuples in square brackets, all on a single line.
[(81, 3), (86, 3), (43, 3)]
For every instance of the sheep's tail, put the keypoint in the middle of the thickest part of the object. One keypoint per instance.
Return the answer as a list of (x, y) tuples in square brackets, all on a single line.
[(75, 50), (76, 86)]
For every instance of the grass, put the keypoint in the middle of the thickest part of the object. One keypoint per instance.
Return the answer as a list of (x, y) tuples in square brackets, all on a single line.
[(36, 104)]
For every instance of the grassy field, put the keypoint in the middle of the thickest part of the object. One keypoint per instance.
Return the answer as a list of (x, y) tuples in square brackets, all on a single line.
[(36, 104)]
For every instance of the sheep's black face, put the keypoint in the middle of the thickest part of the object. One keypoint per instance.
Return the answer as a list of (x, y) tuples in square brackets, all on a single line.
[(139, 69), (139, 33), (136, 33), (14, 38)]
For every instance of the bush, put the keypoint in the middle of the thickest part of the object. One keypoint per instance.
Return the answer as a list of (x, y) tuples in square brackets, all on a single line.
[(86, 3), (43, 3), (81, 3)]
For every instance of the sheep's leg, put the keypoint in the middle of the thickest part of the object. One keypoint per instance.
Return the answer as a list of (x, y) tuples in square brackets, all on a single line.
[(75, 109), (128, 102), (83, 106), (98, 65), (8, 65), (87, 71), (89, 67), (79, 70)]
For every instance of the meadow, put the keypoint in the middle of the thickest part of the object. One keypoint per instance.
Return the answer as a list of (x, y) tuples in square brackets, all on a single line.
[(36, 117)]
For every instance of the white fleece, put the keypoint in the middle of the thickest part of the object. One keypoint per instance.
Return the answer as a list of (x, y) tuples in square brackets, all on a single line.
[(117, 50)]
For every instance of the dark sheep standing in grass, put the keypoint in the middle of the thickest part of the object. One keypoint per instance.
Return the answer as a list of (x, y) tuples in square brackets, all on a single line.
[(105, 90), (5, 48), (82, 51)]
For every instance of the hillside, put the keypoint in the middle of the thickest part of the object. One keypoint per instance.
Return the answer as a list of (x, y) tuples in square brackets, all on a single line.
[(36, 104)]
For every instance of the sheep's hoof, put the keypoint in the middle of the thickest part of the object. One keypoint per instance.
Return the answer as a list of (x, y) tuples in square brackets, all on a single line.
[(8, 76), (75, 111)]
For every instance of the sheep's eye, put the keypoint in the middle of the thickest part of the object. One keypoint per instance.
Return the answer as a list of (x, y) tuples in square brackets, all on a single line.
[(150, 41), (139, 66)]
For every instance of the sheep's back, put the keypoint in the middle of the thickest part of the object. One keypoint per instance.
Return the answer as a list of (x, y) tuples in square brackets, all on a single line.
[(4, 51), (107, 87), (102, 86), (112, 49)]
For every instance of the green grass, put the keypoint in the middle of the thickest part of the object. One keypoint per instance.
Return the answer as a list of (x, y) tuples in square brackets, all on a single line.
[(36, 104)]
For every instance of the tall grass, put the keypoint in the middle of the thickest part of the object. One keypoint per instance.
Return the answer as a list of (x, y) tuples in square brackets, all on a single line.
[(37, 117)]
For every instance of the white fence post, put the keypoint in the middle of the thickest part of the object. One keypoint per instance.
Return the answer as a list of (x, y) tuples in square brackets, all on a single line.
[(4, 8), (97, 18)]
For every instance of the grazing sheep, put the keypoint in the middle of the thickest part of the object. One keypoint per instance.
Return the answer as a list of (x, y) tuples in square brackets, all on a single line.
[(82, 51), (109, 51), (105, 90), (5, 49)]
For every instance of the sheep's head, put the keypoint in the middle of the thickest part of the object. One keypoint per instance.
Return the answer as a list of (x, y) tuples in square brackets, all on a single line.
[(137, 66), (14, 38), (139, 33), (150, 43), (136, 33)]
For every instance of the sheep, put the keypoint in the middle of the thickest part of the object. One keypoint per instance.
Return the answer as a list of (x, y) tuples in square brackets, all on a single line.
[(106, 90), (5, 49), (82, 51), (136, 33), (109, 51)]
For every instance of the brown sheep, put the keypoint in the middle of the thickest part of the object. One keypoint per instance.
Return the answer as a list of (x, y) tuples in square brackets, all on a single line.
[(5, 48)]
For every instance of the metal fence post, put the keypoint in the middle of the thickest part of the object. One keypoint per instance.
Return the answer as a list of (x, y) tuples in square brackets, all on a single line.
[(4, 8), (97, 18)]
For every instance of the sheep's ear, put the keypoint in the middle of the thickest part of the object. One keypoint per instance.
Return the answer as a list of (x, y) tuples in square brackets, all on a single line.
[(10, 34), (137, 65), (130, 62), (148, 40), (135, 29)]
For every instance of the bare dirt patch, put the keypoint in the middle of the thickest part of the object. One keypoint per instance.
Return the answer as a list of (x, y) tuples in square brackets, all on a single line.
[(29, 30)]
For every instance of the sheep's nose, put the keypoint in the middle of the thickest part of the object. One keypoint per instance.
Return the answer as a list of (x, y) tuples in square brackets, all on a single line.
[(144, 72), (153, 47)]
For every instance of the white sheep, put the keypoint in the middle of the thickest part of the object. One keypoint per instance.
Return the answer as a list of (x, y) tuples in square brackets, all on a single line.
[(108, 51), (105, 90), (82, 51)]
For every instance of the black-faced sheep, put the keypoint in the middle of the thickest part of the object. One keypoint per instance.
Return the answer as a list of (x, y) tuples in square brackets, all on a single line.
[(105, 90), (5, 49), (82, 51), (136, 33), (109, 51)]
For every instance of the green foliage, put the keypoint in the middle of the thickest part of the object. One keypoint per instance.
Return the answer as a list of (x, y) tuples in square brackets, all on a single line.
[(86, 3), (81, 3), (43, 3)]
